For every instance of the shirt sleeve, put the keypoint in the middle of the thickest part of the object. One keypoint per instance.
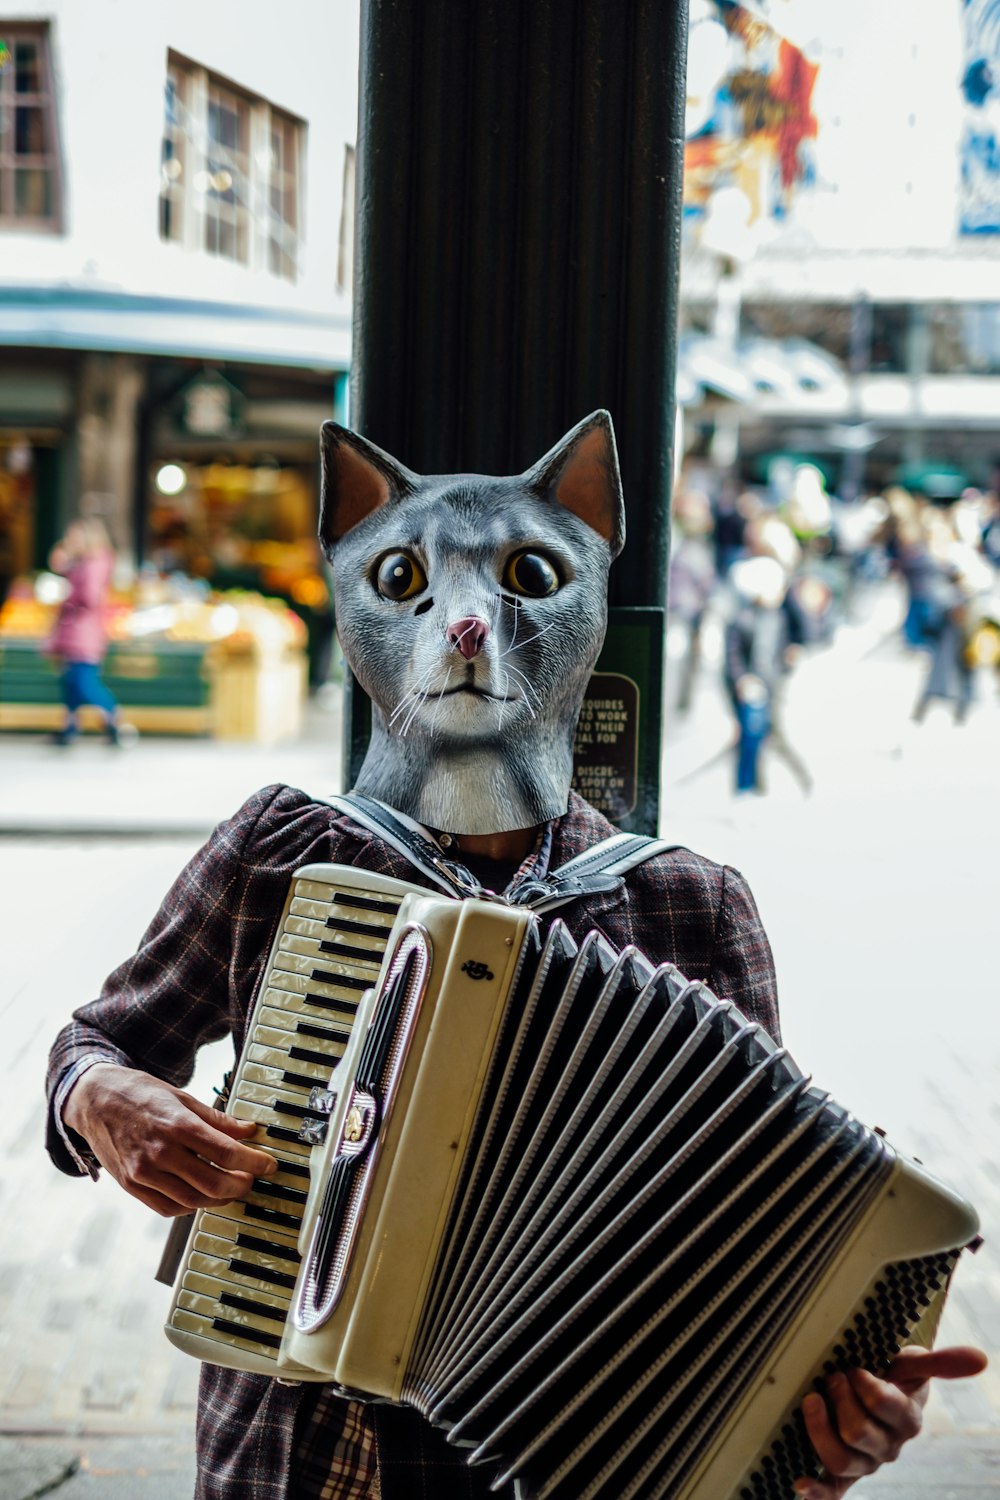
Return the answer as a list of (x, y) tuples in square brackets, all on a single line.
[(742, 963), (172, 996)]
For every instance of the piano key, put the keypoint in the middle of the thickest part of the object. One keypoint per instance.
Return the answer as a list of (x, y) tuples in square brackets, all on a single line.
[(328, 1035), (239, 1320), (336, 958), (255, 1213), (224, 1332), (355, 901), (268, 1303), (272, 1247), (367, 941), (227, 1251), (258, 1273), (284, 1077), (375, 927), (329, 976), (272, 1046)]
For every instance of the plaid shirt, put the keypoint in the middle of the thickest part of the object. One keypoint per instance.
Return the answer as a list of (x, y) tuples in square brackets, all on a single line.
[(194, 978)]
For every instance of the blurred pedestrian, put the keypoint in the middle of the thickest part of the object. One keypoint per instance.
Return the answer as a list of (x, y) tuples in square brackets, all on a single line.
[(760, 647), (692, 582), (956, 645), (85, 558)]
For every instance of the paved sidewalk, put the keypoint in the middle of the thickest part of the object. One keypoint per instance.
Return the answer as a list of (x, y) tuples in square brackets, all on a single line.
[(130, 1468), (162, 1468), (95, 1405), (160, 784)]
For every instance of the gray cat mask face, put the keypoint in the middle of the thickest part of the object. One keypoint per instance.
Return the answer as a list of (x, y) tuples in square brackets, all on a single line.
[(472, 610)]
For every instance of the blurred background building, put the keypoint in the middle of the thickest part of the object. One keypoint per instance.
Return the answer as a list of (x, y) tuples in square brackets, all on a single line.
[(842, 241), (176, 205)]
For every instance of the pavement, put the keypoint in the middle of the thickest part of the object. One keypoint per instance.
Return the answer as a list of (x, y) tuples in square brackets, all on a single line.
[(899, 1000)]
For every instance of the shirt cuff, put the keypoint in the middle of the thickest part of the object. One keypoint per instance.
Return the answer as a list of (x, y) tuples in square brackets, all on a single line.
[(75, 1144)]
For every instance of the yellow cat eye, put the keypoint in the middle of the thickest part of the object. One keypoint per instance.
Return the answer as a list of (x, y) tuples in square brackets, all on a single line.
[(400, 576), (530, 573)]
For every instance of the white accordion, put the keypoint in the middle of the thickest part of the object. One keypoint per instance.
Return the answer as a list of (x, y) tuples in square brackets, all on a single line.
[(581, 1214)]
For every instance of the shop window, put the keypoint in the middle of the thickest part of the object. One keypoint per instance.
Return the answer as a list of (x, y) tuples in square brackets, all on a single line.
[(30, 190), (964, 338), (825, 324), (230, 172), (891, 326)]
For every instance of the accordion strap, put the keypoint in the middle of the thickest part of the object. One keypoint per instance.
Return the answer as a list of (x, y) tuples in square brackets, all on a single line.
[(597, 870), (411, 840)]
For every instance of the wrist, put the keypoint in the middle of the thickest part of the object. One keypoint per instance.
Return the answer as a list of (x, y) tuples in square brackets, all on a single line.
[(75, 1107)]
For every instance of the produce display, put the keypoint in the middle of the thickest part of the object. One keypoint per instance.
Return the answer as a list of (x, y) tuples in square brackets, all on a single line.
[(182, 658)]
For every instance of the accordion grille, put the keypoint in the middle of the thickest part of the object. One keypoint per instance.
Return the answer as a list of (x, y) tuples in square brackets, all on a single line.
[(895, 1304)]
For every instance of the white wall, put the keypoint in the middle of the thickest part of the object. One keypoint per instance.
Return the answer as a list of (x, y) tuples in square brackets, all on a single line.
[(888, 101), (109, 59)]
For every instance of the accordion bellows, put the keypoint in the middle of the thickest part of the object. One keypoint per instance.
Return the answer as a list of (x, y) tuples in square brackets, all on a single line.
[(581, 1214)]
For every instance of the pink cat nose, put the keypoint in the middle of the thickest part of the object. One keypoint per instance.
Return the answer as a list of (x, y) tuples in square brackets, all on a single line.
[(468, 636)]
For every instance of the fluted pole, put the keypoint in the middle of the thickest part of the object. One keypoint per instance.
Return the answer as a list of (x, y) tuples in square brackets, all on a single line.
[(519, 173)]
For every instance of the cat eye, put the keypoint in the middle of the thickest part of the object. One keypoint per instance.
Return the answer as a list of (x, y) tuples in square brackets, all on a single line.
[(532, 574), (400, 576)]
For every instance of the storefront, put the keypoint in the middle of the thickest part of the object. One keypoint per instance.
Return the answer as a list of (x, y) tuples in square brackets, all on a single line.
[(205, 465)]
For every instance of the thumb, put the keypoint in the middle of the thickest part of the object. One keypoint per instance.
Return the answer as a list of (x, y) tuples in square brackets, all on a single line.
[(912, 1367)]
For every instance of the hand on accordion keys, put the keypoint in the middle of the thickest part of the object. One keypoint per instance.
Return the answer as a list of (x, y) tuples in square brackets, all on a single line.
[(161, 1144), (864, 1422)]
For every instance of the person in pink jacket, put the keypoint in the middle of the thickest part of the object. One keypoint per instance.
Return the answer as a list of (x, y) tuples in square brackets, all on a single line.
[(85, 558)]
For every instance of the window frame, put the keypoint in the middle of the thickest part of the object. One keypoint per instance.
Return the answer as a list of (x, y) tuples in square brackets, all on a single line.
[(251, 224), (39, 32)]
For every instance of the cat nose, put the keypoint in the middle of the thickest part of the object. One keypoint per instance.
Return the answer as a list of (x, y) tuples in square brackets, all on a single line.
[(468, 635)]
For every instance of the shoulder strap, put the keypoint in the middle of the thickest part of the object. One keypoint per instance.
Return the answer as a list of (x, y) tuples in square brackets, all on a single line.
[(616, 855), (594, 872), (597, 870), (412, 841)]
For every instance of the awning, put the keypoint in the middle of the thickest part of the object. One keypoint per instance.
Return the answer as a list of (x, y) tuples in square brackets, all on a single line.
[(938, 481), (79, 318), (756, 367)]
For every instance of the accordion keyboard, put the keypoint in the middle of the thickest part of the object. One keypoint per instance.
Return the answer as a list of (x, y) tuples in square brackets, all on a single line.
[(239, 1272)]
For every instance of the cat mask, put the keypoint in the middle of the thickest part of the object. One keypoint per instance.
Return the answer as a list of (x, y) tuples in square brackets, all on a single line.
[(472, 609)]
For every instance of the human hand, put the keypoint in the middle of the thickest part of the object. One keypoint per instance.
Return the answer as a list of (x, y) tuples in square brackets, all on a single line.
[(864, 1421), (162, 1145)]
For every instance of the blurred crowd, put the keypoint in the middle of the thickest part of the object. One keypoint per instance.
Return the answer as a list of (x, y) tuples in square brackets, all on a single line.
[(779, 568)]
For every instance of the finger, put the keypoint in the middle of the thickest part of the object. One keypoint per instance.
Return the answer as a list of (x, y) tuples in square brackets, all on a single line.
[(894, 1409), (819, 1489), (856, 1425), (202, 1184), (840, 1460), (218, 1117), (201, 1137), (913, 1366), (187, 1180), (161, 1203)]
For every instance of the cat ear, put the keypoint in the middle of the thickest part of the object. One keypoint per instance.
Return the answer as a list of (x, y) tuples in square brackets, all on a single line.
[(581, 472), (357, 478)]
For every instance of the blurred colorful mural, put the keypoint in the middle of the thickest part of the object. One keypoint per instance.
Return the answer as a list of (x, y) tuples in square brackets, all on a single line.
[(979, 211), (749, 121)]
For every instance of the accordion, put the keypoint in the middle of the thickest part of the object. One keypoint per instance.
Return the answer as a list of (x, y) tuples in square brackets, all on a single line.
[(581, 1214)]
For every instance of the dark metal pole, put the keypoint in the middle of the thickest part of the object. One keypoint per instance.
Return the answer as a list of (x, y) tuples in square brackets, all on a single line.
[(519, 177)]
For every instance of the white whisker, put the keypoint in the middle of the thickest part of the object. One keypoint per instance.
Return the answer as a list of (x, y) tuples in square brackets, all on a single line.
[(529, 689), (537, 635), (411, 698)]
